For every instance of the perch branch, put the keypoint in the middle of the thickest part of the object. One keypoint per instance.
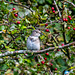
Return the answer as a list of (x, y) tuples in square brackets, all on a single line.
[(34, 52)]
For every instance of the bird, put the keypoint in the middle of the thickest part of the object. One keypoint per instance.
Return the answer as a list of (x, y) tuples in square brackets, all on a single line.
[(33, 42)]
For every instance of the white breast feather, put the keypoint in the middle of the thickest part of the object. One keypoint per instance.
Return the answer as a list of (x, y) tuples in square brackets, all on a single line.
[(32, 44)]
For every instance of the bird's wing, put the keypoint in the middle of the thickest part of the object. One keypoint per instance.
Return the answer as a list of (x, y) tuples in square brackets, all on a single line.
[(32, 38), (29, 44)]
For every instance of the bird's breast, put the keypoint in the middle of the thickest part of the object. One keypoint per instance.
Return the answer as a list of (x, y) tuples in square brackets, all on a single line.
[(33, 43)]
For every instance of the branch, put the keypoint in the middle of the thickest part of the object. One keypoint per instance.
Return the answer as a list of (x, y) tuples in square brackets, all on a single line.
[(35, 52), (57, 45), (70, 3), (20, 5), (73, 53), (4, 24), (57, 8), (51, 72), (51, 22)]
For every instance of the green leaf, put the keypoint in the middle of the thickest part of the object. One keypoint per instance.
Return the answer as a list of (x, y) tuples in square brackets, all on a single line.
[(27, 21), (49, 1), (42, 37), (4, 67), (14, 31), (41, 1), (2, 27), (59, 60), (27, 60), (53, 54), (62, 68), (23, 27), (21, 60), (60, 4)]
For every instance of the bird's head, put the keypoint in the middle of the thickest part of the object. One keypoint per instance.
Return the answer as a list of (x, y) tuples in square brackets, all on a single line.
[(36, 33)]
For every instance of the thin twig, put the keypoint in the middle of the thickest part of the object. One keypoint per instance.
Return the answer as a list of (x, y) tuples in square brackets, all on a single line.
[(20, 5), (51, 22), (51, 72), (9, 42), (57, 8), (4, 24), (73, 53), (35, 51), (64, 35), (58, 45), (70, 3)]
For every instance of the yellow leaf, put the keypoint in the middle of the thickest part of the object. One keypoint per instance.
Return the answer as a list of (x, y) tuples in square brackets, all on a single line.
[(41, 24), (72, 67), (17, 65), (24, 27), (11, 49), (9, 32), (43, 18), (4, 31), (9, 72), (1, 41), (60, 38), (56, 47)]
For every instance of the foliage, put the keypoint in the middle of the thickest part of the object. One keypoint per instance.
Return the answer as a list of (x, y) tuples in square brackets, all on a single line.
[(17, 24)]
